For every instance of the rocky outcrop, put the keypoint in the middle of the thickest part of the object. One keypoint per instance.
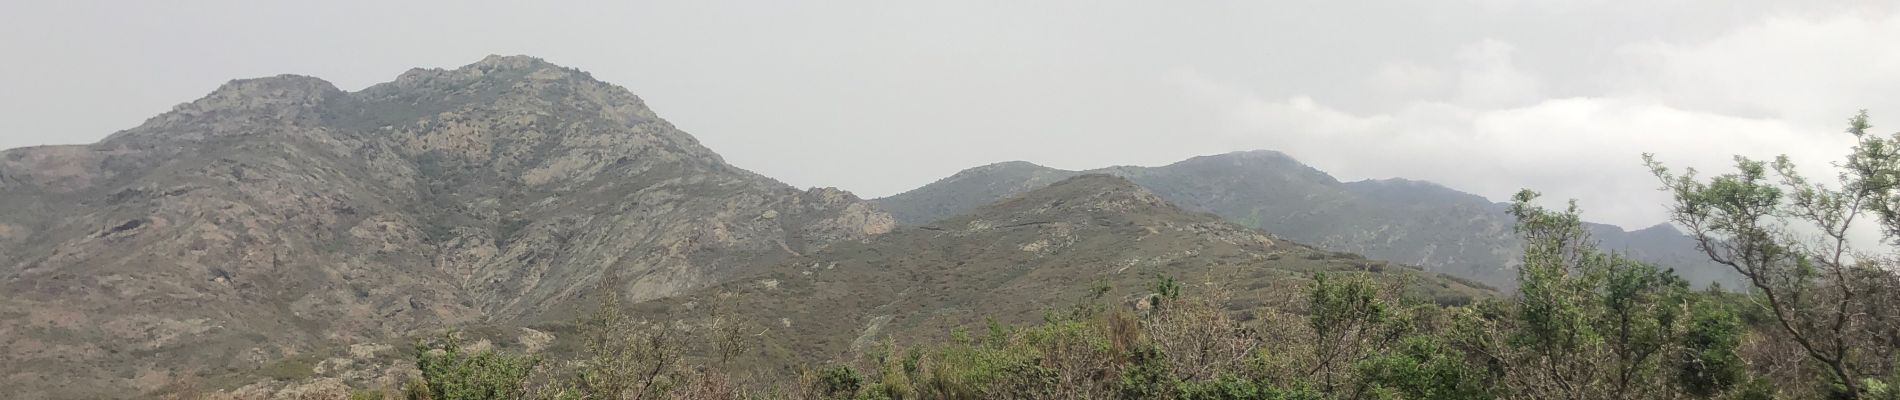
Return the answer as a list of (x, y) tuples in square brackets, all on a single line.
[(278, 215)]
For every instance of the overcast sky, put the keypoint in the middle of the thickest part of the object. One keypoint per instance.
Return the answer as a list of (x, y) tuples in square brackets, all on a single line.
[(878, 97)]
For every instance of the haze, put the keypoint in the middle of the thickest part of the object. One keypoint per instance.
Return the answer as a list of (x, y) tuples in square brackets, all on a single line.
[(880, 97)]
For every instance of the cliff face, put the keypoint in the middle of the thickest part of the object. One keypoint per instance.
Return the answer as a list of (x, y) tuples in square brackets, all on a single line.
[(281, 214)]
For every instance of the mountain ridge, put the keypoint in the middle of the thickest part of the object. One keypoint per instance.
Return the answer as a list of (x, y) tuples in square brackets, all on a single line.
[(277, 215), (280, 217), (1402, 220), (1015, 261)]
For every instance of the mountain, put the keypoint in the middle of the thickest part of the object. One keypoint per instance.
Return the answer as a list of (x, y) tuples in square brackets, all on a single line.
[(277, 215), (969, 189), (1039, 251), (1405, 221)]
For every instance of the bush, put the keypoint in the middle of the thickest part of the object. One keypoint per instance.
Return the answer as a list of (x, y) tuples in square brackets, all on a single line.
[(449, 373), (1423, 367), (839, 382)]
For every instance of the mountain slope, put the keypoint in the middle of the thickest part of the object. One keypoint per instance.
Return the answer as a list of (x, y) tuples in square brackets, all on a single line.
[(1040, 251), (1405, 221), (280, 214), (969, 189)]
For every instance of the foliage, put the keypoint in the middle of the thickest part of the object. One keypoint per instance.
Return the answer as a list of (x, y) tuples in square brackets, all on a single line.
[(1166, 289), (1347, 317), (622, 359), (1795, 242), (1587, 321), (452, 373), (1708, 363), (839, 382), (1425, 367)]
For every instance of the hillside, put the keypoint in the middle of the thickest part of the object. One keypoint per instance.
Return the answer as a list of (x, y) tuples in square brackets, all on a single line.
[(280, 214), (1405, 221), (1039, 251)]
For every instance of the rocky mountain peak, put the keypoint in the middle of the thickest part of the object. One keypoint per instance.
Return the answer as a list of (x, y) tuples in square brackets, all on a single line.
[(241, 107), (273, 90), (497, 62), (525, 86), (266, 94), (499, 191), (491, 68)]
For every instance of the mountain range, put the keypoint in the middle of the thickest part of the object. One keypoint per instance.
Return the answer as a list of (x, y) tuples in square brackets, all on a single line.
[(1405, 221), (282, 218), (1014, 261)]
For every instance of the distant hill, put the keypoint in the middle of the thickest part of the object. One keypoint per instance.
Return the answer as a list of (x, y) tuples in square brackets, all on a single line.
[(1035, 252), (1405, 221), (278, 215)]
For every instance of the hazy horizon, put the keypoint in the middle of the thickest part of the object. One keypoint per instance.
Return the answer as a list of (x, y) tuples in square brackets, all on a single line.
[(877, 98)]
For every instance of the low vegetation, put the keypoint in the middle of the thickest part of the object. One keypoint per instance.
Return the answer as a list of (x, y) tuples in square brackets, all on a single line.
[(1819, 321)]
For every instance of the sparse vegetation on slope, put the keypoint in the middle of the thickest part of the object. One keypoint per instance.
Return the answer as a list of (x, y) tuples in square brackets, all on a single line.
[(1408, 222), (279, 217), (1588, 325)]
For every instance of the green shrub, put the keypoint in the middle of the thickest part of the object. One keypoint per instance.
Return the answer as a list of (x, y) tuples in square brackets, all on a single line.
[(1708, 363), (839, 382), (450, 373), (1423, 367), (1148, 376)]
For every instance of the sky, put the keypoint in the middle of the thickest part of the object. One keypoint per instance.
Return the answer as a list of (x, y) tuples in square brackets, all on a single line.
[(878, 97)]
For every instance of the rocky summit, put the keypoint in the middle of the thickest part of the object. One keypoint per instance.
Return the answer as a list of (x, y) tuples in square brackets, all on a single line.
[(279, 215)]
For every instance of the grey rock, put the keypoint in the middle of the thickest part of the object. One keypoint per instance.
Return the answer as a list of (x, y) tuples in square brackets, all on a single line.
[(281, 215)]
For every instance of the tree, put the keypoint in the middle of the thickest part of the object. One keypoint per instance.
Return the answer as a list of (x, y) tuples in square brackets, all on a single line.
[(623, 360), (1589, 323), (1707, 364), (1424, 367), (1792, 240), (1349, 318)]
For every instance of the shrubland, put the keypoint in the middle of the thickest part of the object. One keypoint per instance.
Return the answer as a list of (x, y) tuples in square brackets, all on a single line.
[(1818, 320)]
